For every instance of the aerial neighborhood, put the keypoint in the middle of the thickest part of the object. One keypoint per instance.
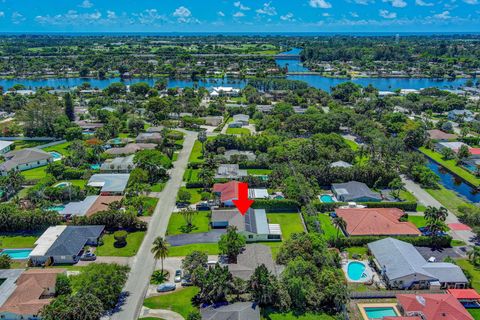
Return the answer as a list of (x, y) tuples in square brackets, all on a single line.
[(122, 196)]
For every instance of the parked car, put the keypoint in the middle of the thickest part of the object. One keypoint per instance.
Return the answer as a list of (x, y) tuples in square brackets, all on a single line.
[(203, 206), (178, 276), (182, 205), (88, 256), (165, 287)]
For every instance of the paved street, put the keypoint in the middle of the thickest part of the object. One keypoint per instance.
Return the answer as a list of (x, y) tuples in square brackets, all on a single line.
[(142, 265), (425, 198)]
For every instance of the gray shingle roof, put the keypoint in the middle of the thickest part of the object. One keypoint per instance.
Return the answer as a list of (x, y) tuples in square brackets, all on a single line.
[(79, 208), (119, 164), (254, 221), (10, 276), (235, 311), (72, 240), (253, 256), (353, 190), (23, 156)]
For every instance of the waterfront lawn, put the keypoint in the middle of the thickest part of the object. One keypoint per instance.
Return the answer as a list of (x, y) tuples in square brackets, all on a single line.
[(17, 242), (196, 194), (472, 271), (290, 223), (179, 301), (196, 155), (62, 148), (182, 251), (240, 131), (259, 172), (448, 198), (327, 226), (418, 221), (452, 166), (134, 240), (35, 174), (201, 223)]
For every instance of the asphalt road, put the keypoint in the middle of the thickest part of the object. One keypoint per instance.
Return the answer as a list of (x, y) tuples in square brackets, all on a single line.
[(143, 263)]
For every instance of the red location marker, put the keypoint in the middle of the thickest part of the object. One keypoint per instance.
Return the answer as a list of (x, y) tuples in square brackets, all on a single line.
[(243, 203)]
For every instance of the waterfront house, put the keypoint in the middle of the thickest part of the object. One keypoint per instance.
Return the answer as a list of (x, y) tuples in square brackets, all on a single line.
[(253, 225), (32, 291), (403, 267), (432, 307), (64, 244), (110, 183), (25, 159), (376, 222), (230, 171), (355, 191)]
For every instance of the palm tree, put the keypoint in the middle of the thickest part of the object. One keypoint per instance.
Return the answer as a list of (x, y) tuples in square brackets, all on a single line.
[(474, 256), (202, 137), (160, 249), (432, 213), (340, 224)]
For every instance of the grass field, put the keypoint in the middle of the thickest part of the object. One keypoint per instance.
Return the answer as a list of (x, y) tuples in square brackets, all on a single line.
[(15, 242), (78, 183), (447, 198), (327, 226), (134, 240), (196, 155), (452, 166), (34, 174), (361, 251), (353, 145), (472, 271), (268, 314), (289, 223), (158, 187), (179, 301), (418, 221), (201, 222), (259, 171), (196, 194), (475, 313), (238, 131), (182, 251), (191, 175), (62, 148)]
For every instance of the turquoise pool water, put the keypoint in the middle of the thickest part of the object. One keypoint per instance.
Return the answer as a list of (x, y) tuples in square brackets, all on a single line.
[(17, 254), (356, 270), (326, 198), (55, 155), (116, 140), (62, 184), (94, 166), (380, 312), (56, 208)]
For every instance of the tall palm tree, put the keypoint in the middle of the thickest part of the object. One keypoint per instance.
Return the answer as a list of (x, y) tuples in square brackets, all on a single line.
[(340, 224), (202, 137), (160, 249), (474, 256)]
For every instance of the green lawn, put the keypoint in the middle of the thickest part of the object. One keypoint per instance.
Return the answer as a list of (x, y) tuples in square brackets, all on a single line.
[(418, 221), (158, 187), (15, 242), (182, 251), (407, 196), (289, 223), (201, 221), (191, 175), (475, 313), (35, 174), (149, 204), (238, 131), (272, 315), (328, 228), (353, 145), (196, 155), (179, 301), (78, 183), (134, 240), (362, 251), (452, 166), (196, 194), (62, 148), (472, 271), (448, 198), (259, 172)]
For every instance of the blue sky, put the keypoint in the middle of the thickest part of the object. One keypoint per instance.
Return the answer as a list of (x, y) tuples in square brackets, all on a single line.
[(239, 16)]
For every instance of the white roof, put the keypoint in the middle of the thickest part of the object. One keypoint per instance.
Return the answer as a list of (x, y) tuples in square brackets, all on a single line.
[(275, 229), (258, 193), (4, 144), (46, 240)]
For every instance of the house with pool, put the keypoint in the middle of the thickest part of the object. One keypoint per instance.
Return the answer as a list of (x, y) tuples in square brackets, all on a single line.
[(354, 191), (401, 266), (110, 184), (25, 159), (432, 307)]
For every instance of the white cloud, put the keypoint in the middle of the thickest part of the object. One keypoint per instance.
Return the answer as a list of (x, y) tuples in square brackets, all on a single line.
[(149, 17), (2, 14), (326, 14), (267, 9), (184, 15), (445, 15), (240, 6), (72, 17), (323, 4), (397, 3), (111, 14), (422, 3), (471, 1), (354, 14), (364, 2), (239, 14), (387, 14), (288, 17), (17, 17), (86, 4), (221, 14)]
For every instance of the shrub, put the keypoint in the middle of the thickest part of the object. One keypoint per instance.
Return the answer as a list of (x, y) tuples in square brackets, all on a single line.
[(422, 241), (276, 205), (5, 262), (158, 277), (120, 238)]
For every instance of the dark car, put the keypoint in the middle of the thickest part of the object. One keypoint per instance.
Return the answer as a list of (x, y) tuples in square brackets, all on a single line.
[(182, 205), (178, 276), (187, 282), (203, 206)]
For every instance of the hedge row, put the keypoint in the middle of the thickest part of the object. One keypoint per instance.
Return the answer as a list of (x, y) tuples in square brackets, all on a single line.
[(405, 206), (276, 205), (194, 184), (421, 241)]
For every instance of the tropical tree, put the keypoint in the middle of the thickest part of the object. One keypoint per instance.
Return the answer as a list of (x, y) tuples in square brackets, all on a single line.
[(202, 137), (216, 285), (340, 224), (263, 286), (69, 110), (231, 244), (188, 215), (432, 213), (474, 256), (160, 250), (396, 185), (81, 306)]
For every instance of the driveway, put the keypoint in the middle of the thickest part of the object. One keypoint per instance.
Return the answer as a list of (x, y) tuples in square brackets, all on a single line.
[(191, 238)]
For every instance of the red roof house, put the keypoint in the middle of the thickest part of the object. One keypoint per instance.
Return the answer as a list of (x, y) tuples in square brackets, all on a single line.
[(376, 222), (227, 192), (465, 294), (474, 151), (433, 307)]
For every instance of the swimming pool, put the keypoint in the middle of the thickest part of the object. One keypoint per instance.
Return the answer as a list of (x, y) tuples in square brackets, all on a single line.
[(56, 208), (326, 198), (56, 156), (356, 271), (94, 166), (17, 254), (116, 141), (62, 184), (380, 312)]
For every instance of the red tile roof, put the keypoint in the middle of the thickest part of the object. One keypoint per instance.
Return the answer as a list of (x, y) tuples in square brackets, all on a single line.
[(376, 221), (228, 191), (436, 134), (467, 294), (31, 286), (434, 306), (474, 151), (101, 204), (402, 318)]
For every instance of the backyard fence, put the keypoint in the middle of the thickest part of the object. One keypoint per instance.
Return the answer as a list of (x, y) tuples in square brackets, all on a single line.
[(385, 294)]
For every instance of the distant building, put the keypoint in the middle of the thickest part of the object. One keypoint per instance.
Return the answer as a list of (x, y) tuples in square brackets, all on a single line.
[(340, 164), (234, 311), (25, 159), (461, 115), (131, 148), (355, 191), (224, 91), (214, 121), (237, 154), (439, 135)]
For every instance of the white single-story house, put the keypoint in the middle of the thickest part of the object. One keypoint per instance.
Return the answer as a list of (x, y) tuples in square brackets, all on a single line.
[(5, 146), (25, 159), (110, 183), (230, 171), (118, 165)]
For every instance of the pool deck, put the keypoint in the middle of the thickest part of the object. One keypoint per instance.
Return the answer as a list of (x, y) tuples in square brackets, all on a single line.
[(368, 271), (362, 306)]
